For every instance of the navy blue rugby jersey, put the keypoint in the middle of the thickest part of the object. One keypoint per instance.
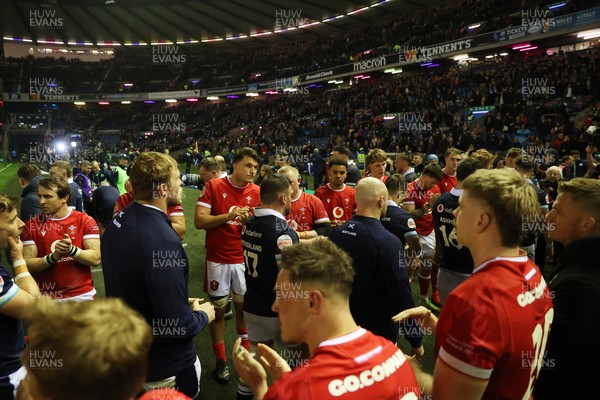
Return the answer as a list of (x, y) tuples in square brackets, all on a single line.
[(263, 237)]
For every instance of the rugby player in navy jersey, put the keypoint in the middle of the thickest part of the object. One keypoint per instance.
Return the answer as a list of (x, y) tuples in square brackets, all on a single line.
[(454, 260), (263, 237), (399, 222)]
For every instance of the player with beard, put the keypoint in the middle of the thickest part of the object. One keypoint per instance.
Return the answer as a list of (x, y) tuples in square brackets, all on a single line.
[(221, 210), (263, 237), (307, 215), (144, 263), (61, 245), (337, 197)]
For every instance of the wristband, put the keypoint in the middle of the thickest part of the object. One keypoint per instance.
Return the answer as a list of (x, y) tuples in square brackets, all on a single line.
[(21, 276), (74, 252), (49, 260), (18, 263)]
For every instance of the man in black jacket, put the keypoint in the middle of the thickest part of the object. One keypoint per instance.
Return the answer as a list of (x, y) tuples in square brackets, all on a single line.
[(570, 365), (29, 175), (378, 258)]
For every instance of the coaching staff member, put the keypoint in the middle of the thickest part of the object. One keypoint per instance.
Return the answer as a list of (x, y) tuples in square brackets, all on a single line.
[(146, 266)]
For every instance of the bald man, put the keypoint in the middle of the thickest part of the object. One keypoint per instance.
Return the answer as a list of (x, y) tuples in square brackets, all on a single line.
[(378, 258), (222, 165)]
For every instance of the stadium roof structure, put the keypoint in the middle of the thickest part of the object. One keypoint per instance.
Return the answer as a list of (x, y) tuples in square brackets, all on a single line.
[(152, 22)]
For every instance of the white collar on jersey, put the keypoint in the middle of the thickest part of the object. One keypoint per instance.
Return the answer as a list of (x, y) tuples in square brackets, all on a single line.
[(456, 192), (66, 216), (392, 203), (336, 190), (299, 195), (520, 258), (263, 212), (232, 184), (344, 339)]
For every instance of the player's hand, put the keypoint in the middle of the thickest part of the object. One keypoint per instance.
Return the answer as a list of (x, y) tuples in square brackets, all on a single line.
[(249, 369), (418, 352), (273, 362), (15, 249), (191, 300), (422, 315), (208, 308), (433, 199), (239, 213), (244, 214), (63, 246)]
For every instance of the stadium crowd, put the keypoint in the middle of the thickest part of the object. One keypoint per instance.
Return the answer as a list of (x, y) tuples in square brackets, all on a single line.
[(212, 67), (438, 100)]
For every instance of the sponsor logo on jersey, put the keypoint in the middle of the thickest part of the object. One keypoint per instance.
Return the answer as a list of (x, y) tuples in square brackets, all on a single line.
[(224, 195), (411, 223), (527, 298), (338, 212), (214, 285), (43, 232), (440, 208), (250, 232), (367, 377), (283, 241)]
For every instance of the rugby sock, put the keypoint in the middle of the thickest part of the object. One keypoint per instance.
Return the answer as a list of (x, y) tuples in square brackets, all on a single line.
[(243, 391), (243, 334), (434, 274), (424, 286), (219, 350)]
